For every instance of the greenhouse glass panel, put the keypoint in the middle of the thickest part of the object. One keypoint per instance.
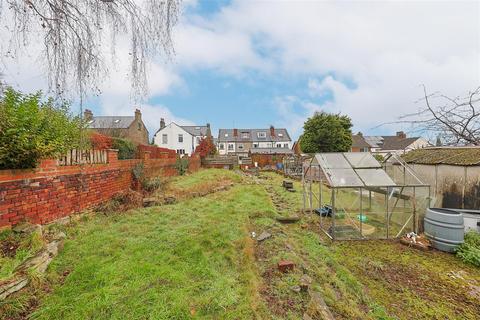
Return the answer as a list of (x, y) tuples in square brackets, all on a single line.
[(332, 160), (375, 178), (344, 178), (362, 160)]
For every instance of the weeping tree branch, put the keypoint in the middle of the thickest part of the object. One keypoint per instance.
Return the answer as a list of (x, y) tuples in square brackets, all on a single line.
[(457, 119), (73, 34)]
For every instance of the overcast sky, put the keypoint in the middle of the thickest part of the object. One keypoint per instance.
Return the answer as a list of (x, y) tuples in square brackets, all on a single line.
[(250, 64)]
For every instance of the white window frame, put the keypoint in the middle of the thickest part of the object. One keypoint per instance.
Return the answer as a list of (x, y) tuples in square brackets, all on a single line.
[(240, 146), (164, 138), (221, 146), (231, 147), (261, 134), (180, 138)]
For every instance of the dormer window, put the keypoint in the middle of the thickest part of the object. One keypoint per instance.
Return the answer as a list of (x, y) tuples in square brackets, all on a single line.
[(280, 135), (226, 134), (245, 135), (262, 134), (117, 121)]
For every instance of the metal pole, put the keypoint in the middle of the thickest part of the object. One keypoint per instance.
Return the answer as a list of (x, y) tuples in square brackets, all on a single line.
[(303, 187), (361, 213), (311, 195), (415, 222), (333, 213), (386, 217)]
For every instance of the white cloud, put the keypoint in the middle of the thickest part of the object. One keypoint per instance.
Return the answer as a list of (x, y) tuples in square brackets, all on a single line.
[(384, 50)]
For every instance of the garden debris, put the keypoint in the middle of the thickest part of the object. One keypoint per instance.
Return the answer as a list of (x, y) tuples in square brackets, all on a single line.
[(286, 266), (317, 308), (253, 234), (264, 236), (150, 202), (305, 282), (287, 184), (37, 263), (27, 228), (288, 219), (169, 200), (296, 289), (416, 241), (325, 211)]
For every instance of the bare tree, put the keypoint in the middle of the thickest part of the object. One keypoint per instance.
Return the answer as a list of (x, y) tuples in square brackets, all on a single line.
[(73, 33), (456, 120)]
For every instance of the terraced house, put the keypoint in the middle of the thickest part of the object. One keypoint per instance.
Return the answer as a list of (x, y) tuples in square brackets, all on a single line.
[(241, 141)]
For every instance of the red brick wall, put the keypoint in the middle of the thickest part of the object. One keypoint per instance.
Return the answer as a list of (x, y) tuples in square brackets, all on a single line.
[(50, 192)]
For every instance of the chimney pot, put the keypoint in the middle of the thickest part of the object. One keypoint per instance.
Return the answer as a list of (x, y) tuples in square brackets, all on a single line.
[(88, 115), (138, 114), (401, 134), (272, 131), (162, 123)]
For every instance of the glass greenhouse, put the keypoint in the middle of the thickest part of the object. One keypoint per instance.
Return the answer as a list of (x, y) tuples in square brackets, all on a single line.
[(357, 197)]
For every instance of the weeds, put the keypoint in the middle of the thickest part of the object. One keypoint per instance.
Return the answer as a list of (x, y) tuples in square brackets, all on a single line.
[(469, 250)]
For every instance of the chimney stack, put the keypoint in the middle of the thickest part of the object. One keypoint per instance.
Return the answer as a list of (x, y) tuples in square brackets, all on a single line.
[(138, 114), (235, 132), (272, 131), (209, 132), (360, 134), (87, 115), (162, 123), (401, 134)]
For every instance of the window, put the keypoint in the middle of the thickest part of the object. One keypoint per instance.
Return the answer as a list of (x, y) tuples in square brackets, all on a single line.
[(198, 140), (262, 134), (230, 146), (255, 145), (240, 146), (180, 138), (285, 145), (221, 146), (363, 149), (180, 151), (226, 134), (279, 145), (164, 138), (280, 135), (245, 135)]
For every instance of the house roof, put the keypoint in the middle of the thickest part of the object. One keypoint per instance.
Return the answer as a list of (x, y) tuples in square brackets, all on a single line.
[(196, 130), (462, 156), (389, 142), (110, 122), (358, 141), (281, 134), (271, 151)]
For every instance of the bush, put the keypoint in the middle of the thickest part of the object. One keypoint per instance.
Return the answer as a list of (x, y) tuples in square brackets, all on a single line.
[(32, 128), (181, 165), (126, 148), (469, 250), (154, 184)]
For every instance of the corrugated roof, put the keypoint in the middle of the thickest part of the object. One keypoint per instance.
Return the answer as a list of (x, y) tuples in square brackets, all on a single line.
[(461, 156), (281, 134), (110, 122)]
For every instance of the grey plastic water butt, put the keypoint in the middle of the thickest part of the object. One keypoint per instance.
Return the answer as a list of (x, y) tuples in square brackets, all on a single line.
[(471, 219), (444, 228)]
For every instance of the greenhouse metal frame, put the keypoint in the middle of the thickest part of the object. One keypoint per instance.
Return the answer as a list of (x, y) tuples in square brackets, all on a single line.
[(396, 195)]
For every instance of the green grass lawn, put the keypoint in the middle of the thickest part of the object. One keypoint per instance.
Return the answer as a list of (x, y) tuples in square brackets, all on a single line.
[(196, 259)]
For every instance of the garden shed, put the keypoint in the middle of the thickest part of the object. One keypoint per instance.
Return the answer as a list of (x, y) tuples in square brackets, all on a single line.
[(358, 197)]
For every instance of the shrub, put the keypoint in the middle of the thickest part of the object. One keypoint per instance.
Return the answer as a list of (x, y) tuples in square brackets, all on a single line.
[(206, 147), (181, 165), (32, 128), (154, 184), (126, 148), (100, 141), (469, 250)]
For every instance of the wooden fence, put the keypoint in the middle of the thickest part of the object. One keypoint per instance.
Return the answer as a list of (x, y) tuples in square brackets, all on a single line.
[(75, 157)]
